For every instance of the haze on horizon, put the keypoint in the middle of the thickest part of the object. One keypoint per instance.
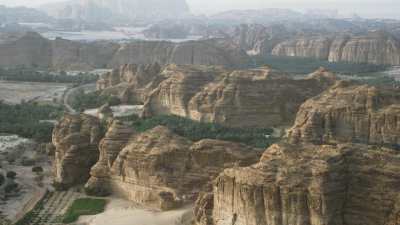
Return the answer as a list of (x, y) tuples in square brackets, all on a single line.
[(364, 8)]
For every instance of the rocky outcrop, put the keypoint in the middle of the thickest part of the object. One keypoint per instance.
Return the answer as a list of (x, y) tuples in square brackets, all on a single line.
[(318, 48), (32, 50), (130, 82), (260, 97), (110, 146), (160, 169), (350, 113), (307, 185), (75, 138), (375, 48)]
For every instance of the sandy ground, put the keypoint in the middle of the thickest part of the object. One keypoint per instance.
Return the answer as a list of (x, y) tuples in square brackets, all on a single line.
[(122, 212), (12, 144), (15, 92)]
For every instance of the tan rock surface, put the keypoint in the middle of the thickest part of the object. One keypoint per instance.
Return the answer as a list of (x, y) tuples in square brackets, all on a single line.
[(374, 48), (308, 185), (163, 170), (75, 138), (349, 113), (260, 97)]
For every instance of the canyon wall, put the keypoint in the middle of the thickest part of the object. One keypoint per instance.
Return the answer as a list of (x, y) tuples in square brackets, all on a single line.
[(307, 185), (350, 113), (75, 138), (374, 48), (160, 169), (32, 50), (260, 97)]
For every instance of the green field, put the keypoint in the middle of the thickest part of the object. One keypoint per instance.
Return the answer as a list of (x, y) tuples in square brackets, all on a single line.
[(84, 206)]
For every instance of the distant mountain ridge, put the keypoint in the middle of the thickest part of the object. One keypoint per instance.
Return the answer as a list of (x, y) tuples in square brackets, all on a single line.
[(116, 10)]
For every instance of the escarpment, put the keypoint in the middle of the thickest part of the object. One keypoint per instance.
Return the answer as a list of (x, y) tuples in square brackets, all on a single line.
[(350, 113), (374, 48), (307, 185), (33, 50), (160, 169), (75, 138), (260, 97)]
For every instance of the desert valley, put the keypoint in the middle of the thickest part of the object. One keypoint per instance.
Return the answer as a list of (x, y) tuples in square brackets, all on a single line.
[(133, 112)]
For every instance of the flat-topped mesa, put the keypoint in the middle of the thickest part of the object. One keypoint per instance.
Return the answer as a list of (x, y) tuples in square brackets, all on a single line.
[(110, 146), (375, 48), (160, 169), (75, 138), (350, 113), (346, 184)]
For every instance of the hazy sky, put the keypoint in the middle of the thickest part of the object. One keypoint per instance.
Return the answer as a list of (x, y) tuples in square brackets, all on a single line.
[(365, 8)]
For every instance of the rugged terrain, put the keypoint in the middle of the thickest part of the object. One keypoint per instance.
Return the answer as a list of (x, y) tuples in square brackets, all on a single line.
[(307, 184), (349, 113), (160, 169), (76, 139), (32, 50), (260, 97), (374, 48)]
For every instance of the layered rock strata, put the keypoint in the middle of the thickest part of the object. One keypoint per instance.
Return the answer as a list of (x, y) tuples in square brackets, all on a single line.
[(307, 185), (75, 138), (33, 50), (374, 48), (161, 169), (350, 113), (260, 97)]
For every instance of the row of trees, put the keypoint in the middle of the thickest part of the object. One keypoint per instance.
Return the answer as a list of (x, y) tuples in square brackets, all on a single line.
[(196, 131), (32, 75), (299, 65)]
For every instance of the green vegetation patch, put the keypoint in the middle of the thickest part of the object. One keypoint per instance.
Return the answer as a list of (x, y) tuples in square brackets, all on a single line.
[(33, 75), (300, 65), (25, 120), (92, 100), (197, 131), (84, 206)]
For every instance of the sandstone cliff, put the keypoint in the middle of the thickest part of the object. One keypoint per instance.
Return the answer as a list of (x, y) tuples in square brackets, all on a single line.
[(349, 113), (75, 138), (32, 50), (374, 48), (260, 97), (307, 185), (160, 169)]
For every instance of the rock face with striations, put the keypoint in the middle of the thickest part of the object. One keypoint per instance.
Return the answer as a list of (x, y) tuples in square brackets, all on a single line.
[(350, 113), (32, 50), (75, 138), (160, 169), (307, 185), (375, 48), (260, 97)]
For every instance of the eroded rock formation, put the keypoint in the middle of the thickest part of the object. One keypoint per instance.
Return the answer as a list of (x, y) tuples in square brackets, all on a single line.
[(161, 169), (350, 113), (32, 50), (75, 138), (307, 185), (374, 48), (260, 97)]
